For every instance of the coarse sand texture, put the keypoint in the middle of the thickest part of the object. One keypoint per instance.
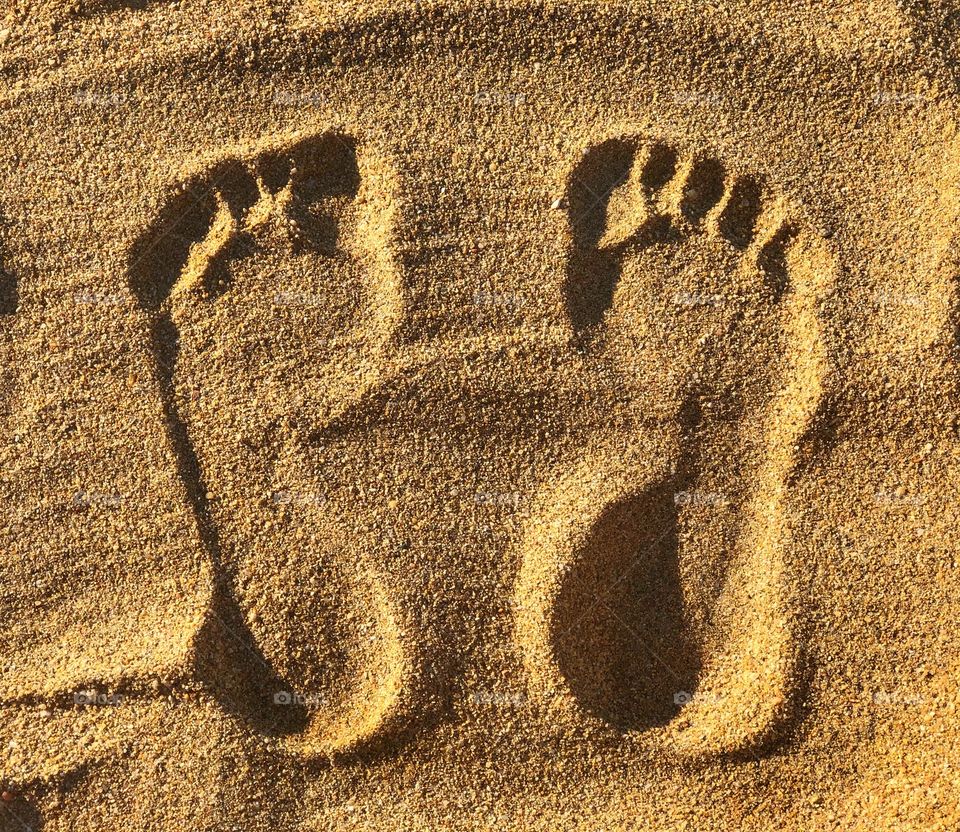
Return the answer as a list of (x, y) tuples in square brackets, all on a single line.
[(457, 415)]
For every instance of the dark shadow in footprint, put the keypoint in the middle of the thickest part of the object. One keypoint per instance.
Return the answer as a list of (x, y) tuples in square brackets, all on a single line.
[(703, 190), (325, 170), (9, 292), (594, 270), (20, 816), (135, 5), (592, 273), (227, 655), (660, 168), (90, 8), (773, 262), (738, 220), (621, 640)]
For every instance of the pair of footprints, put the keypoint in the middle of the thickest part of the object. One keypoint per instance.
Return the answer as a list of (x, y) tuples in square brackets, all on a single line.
[(642, 217)]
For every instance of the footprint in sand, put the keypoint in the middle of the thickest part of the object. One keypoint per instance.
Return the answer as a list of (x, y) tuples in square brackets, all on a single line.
[(655, 594), (279, 260)]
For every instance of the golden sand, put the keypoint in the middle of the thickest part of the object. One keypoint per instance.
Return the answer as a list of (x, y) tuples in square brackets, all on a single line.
[(479, 416)]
